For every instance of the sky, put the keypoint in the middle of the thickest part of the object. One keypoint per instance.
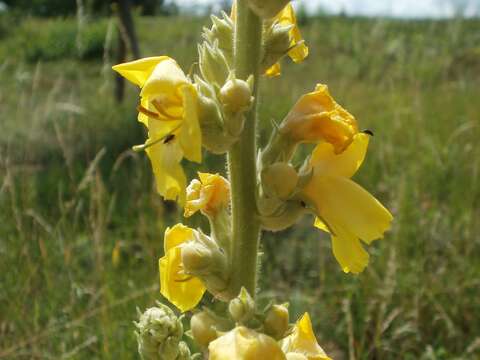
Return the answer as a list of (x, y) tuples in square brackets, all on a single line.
[(394, 8)]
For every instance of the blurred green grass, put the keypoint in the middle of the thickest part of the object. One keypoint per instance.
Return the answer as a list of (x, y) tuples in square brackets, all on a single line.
[(72, 193)]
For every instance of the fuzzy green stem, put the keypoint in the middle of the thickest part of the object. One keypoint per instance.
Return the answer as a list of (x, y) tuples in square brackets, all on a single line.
[(242, 158)]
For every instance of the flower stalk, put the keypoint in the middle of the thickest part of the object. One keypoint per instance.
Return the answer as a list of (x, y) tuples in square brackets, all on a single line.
[(242, 156)]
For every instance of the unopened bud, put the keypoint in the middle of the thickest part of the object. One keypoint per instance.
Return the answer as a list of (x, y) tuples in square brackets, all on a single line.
[(215, 138), (203, 328), (279, 180), (221, 32), (278, 42), (283, 214), (242, 308), (236, 95), (158, 334), (203, 258), (183, 352), (276, 321), (267, 8), (213, 64), (196, 258)]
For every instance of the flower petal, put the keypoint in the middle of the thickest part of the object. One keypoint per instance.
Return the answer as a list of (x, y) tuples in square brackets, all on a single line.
[(303, 341), (169, 176), (349, 253), (287, 17), (344, 164), (182, 291), (165, 80), (346, 206), (274, 70), (177, 235), (139, 71), (190, 136), (317, 117), (242, 343)]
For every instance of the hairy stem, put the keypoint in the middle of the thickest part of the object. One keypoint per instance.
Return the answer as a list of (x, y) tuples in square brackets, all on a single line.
[(242, 158)]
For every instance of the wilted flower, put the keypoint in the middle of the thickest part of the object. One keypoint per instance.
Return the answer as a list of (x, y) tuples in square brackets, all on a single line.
[(317, 117), (344, 209), (209, 194), (302, 341), (168, 108), (242, 343)]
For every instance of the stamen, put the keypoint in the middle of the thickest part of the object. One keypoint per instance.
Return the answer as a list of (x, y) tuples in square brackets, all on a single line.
[(166, 139), (147, 112), (160, 108), (185, 279)]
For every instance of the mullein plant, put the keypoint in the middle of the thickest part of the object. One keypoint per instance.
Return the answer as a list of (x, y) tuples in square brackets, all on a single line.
[(215, 109)]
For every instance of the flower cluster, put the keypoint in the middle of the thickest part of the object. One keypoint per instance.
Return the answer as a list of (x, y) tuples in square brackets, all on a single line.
[(208, 111)]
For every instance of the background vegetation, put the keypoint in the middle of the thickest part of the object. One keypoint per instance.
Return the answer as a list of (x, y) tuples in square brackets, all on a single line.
[(81, 225)]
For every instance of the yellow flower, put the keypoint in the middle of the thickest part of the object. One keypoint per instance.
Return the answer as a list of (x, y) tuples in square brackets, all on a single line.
[(182, 290), (168, 108), (298, 49), (317, 116), (344, 209), (209, 194), (302, 341), (242, 343)]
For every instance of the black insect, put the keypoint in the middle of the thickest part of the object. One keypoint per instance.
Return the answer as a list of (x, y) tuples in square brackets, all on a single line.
[(168, 138), (368, 132)]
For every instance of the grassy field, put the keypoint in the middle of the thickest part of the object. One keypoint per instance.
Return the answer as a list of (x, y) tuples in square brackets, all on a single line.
[(81, 226)]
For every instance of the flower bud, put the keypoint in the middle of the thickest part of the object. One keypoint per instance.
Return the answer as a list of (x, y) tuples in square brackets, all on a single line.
[(222, 32), (236, 95), (183, 351), (242, 308), (277, 215), (212, 62), (242, 343), (279, 180), (203, 328), (203, 258), (158, 334), (215, 138), (277, 43), (267, 8), (276, 321), (196, 258)]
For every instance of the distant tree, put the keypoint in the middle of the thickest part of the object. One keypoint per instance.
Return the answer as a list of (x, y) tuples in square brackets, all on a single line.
[(127, 39), (44, 7), (52, 8)]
